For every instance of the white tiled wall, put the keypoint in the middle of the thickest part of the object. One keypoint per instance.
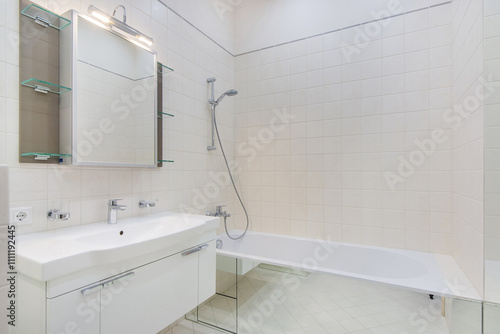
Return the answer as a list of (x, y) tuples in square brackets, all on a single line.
[(492, 146), (186, 184), (468, 139), (358, 111)]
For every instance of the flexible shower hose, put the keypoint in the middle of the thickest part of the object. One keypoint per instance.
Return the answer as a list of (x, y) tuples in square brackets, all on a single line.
[(234, 186)]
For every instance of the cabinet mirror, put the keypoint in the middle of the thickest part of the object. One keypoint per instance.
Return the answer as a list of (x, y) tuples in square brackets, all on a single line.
[(109, 117)]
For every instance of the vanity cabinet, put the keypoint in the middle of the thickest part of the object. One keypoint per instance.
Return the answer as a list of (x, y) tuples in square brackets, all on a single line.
[(144, 299)]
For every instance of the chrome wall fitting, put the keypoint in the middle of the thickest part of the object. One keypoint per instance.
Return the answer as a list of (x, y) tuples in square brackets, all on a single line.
[(146, 204), (56, 214)]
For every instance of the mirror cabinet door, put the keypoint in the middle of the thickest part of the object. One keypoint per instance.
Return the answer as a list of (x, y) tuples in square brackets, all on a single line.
[(110, 116)]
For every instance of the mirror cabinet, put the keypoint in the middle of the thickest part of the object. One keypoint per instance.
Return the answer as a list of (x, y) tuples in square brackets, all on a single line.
[(89, 95)]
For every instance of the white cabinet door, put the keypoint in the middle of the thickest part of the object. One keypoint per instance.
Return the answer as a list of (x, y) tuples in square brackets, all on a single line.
[(207, 272), (158, 294), (74, 312)]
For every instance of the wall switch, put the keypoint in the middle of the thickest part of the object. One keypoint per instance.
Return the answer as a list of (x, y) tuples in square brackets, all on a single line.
[(20, 216)]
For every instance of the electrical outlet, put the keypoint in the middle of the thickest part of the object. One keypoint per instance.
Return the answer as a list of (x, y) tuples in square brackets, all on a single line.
[(20, 216)]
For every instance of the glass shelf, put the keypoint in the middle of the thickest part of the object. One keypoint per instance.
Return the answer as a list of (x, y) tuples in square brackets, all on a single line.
[(44, 156), (44, 17), (45, 87), (165, 69), (165, 160), (164, 113)]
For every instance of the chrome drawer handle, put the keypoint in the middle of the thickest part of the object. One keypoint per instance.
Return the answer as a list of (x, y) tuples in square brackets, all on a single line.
[(92, 288), (116, 279), (99, 286), (194, 250)]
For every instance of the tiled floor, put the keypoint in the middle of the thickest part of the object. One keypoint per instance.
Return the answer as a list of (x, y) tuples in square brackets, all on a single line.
[(273, 302)]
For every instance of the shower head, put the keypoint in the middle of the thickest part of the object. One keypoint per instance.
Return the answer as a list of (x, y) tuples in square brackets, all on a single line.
[(230, 92)]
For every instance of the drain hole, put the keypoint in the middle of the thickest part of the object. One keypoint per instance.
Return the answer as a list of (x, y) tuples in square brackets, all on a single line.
[(121, 232)]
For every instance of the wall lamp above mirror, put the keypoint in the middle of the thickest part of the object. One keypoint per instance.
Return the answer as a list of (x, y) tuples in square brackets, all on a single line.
[(111, 22)]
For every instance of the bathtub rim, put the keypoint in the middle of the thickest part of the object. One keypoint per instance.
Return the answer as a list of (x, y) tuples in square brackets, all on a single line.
[(444, 266)]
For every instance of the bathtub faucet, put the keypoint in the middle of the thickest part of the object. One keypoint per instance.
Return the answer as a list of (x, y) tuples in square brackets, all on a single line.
[(219, 212)]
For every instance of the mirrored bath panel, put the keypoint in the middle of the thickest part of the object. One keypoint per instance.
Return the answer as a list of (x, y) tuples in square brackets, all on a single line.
[(491, 320), (221, 311)]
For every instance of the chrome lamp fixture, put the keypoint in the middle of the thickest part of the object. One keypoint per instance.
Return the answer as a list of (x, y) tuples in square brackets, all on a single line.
[(112, 22)]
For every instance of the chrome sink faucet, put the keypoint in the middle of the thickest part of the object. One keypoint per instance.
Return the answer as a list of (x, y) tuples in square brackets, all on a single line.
[(113, 209)]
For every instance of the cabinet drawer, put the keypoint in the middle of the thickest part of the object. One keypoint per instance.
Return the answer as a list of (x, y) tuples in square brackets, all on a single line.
[(157, 295)]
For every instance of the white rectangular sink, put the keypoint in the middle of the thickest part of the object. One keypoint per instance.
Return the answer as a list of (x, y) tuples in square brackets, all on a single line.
[(52, 254)]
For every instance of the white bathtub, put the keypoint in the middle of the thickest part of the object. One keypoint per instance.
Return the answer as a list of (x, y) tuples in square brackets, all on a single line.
[(425, 272)]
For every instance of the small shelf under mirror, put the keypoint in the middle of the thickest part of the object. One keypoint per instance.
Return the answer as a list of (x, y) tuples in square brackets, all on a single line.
[(44, 17), (45, 87), (165, 69), (44, 156)]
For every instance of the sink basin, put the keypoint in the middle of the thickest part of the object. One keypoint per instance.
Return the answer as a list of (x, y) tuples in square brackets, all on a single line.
[(120, 235), (52, 254)]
